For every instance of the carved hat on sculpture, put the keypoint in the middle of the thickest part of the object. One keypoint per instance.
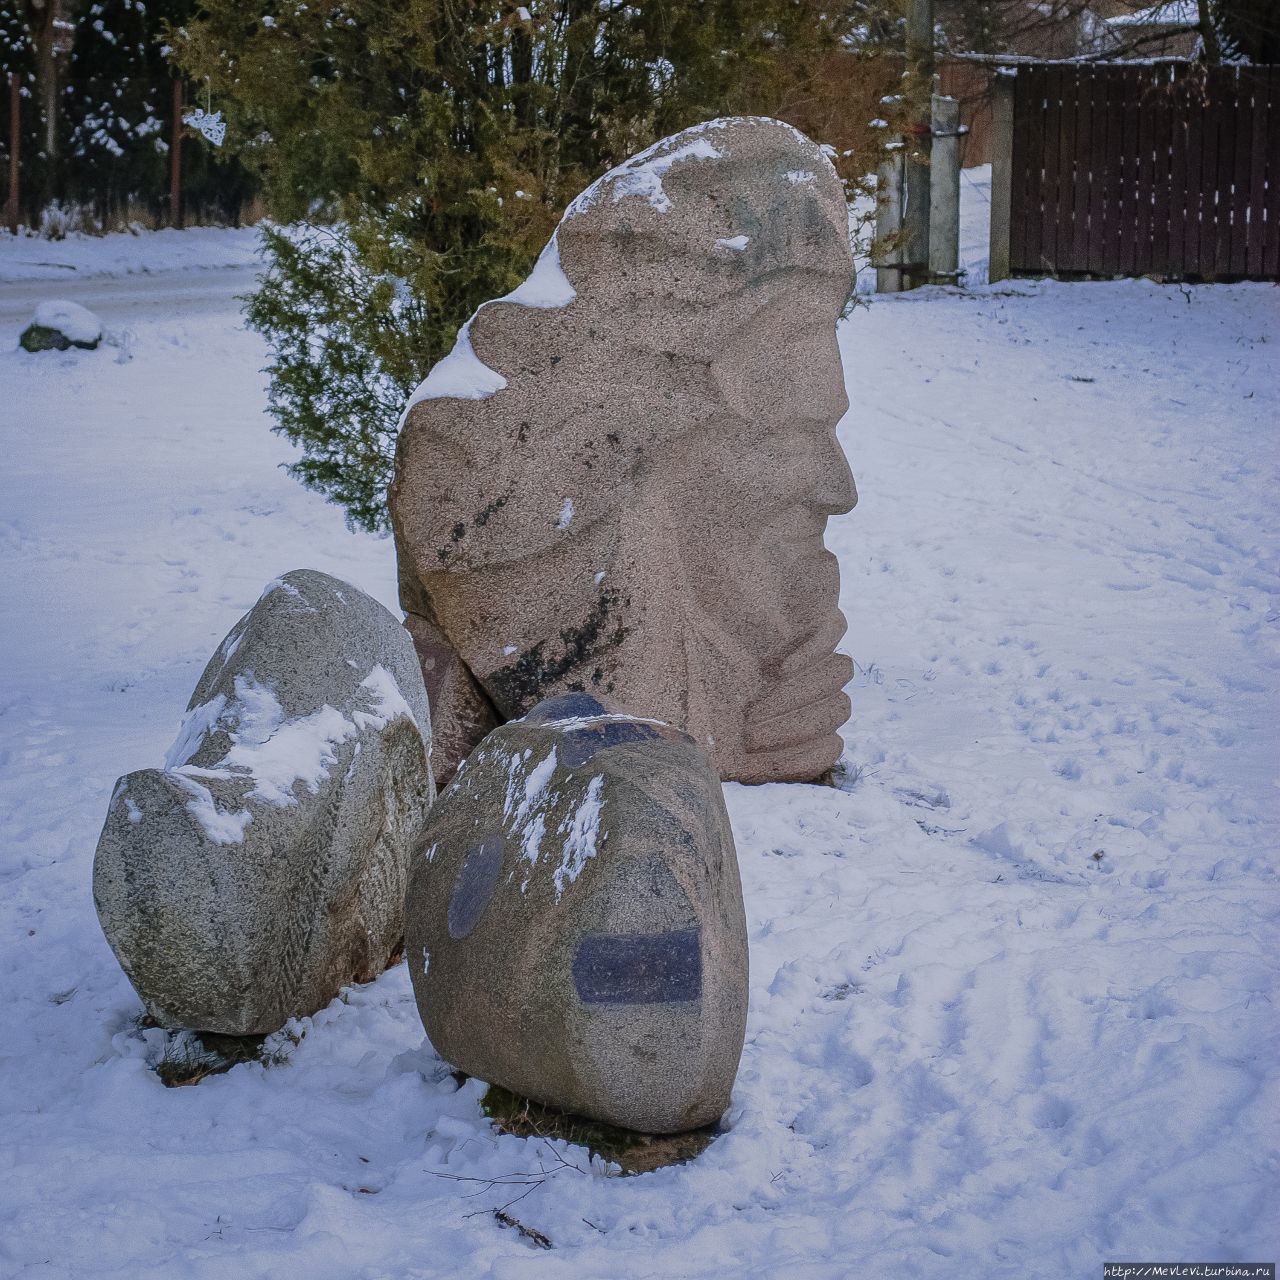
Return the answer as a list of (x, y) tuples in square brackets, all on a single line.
[(619, 479)]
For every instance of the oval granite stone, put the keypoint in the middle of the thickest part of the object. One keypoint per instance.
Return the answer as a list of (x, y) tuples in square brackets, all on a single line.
[(589, 949)]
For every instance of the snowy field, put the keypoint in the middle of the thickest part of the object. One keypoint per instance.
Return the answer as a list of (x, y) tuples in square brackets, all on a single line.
[(1013, 983)]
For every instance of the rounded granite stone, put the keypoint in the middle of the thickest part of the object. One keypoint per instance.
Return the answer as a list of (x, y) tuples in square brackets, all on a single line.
[(575, 929), (265, 865)]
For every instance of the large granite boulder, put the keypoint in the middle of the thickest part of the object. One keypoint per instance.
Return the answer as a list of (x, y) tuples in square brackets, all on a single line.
[(575, 930), (619, 479), (265, 865)]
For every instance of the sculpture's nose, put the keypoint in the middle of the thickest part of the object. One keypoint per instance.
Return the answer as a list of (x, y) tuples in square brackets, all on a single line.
[(834, 492)]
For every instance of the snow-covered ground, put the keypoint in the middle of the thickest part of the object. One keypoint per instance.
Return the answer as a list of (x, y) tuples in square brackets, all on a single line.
[(79, 256), (1012, 984)]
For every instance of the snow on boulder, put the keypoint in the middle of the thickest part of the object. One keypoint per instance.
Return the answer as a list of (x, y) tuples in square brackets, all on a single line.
[(265, 865), (575, 928), (60, 324)]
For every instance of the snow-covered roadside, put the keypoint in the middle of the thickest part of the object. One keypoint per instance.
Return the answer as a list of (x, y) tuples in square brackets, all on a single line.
[(122, 253), (974, 1049)]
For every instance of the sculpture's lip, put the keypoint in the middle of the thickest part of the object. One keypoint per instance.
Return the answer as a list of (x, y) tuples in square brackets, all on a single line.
[(818, 705), (830, 697), (819, 645), (801, 527)]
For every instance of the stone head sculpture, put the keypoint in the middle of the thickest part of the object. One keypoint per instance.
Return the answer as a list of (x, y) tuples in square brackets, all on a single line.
[(619, 479)]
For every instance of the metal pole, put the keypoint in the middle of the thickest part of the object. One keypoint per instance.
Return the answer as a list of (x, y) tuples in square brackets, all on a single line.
[(916, 211), (944, 192), (15, 143), (175, 159)]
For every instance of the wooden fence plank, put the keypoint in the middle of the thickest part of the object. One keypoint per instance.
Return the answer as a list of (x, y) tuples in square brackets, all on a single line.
[(1216, 174), (1222, 81), (1034, 175), (1115, 173), (1060, 213), (1242, 131), (1261, 85), (1129, 171), (1207, 226), (1176, 214), (1194, 202), (1019, 185), (1082, 173), (1271, 235), (1161, 107), (1049, 211), (1145, 108), (1070, 176), (1099, 180)]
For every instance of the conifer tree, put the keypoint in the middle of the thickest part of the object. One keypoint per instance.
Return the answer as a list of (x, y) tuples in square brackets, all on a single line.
[(18, 57), (439, 141), (114, 106)]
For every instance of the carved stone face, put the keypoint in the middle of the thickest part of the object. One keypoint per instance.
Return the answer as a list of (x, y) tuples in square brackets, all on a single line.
[(627, 492)]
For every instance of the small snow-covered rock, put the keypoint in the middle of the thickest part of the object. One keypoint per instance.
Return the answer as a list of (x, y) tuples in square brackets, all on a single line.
[(60, 324), (265, 865), (575, 924)]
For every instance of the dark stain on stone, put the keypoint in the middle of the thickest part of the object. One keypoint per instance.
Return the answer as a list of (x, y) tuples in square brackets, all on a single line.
[(639, 968), (482, 517), (458, 532), (580, 746), (567, 706), (477, 878), (518, 686)]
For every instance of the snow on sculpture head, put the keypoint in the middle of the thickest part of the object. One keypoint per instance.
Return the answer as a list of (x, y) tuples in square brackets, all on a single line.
[(619, 479)]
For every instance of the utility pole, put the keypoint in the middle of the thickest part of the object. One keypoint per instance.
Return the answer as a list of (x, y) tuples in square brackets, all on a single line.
[(888, 260), (12, 205), (919, 138), (944, 192)]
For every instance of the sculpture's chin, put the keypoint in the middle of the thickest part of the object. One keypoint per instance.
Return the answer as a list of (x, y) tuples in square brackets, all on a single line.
[(792, 734), (803, 762)]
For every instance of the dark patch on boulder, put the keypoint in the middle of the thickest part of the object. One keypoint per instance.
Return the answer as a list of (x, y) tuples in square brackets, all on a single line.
[(639, 968), (568, 706), (474, 886), (582, 745), (522, 683), (36, 337)]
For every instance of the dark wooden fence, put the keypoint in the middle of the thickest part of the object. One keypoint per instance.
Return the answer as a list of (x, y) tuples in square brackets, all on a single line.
[(1169, 170)]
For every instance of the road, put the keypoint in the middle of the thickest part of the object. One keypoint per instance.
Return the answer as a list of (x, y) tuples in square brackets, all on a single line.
[(119, 300)]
